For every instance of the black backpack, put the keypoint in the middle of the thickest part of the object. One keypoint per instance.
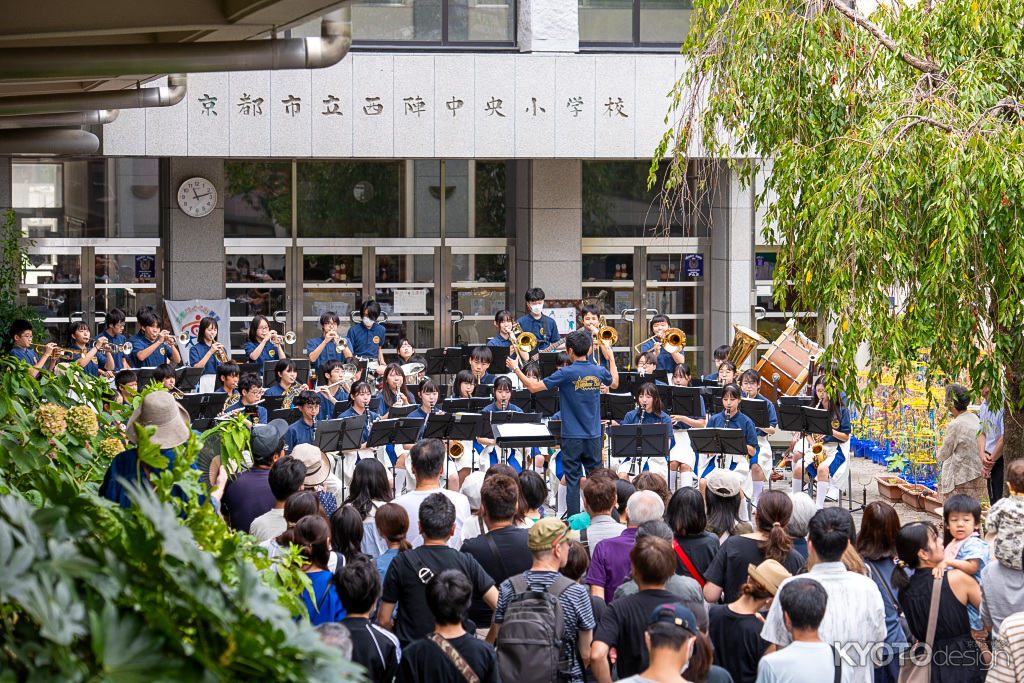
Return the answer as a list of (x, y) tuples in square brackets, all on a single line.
[(531, 641)]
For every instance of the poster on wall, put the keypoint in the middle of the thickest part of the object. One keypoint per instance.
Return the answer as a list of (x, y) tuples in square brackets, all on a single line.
[(186, 316), (693, 265), (565, 319), (411, 301), (145, 266)]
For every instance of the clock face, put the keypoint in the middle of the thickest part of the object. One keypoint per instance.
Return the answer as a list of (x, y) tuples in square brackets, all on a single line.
[(197, 197)]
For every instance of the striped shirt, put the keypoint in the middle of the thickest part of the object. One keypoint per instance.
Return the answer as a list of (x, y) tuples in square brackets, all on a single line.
[(855, 614), (1008, 652)]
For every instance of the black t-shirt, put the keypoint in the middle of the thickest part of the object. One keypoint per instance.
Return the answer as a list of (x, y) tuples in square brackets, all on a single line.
[(737, 641), (729, 569), (515, 555), (700, 548), (403, 585), (423, 662), (374, 648), (623, 626), (248, 496)]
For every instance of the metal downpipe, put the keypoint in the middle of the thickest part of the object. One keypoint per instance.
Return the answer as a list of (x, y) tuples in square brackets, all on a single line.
[(46, 141), (109, 61), (140, 98), (76, 118)]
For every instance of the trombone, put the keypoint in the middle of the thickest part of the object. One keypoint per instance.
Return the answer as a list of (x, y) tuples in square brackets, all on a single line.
[(524, 342), (672, 340)]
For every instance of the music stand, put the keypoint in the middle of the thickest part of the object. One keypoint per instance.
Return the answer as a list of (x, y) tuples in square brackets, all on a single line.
[(639, 441), (455, 427), (498, 356), (401, 411), (799, 418), (548, 363), (546, 402), (273, 402), (374, 404), (512, 435), (796, 400), (202, 425), (757, 411), (339, 435), (497, 417), (443, 361), (464, 405), (203, 406), (187, 379), (144, 376), (270, 377), (483, 391), (615, 406), (719, 441), (291, 416), (685, 401)]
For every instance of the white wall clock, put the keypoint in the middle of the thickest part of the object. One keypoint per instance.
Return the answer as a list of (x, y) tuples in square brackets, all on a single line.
[(197, 197)]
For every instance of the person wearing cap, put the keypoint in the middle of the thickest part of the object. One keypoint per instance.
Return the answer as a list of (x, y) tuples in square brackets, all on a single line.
[(159, 410), (248, 495), (724, 498), (652, 563), (318, 471), (735, 629), (547, 543), (671, 629)]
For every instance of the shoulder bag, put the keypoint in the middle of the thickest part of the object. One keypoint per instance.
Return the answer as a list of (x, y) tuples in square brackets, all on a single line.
[(497, 557), (454, 657), (681, 554), (895, 603), (912, 669)]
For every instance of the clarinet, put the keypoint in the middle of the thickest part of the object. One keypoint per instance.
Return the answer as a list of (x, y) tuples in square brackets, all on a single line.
[(727, 418)]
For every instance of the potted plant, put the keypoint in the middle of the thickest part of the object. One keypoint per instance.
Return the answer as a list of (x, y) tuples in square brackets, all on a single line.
[(912, 494), (889, 487), (931, 504)]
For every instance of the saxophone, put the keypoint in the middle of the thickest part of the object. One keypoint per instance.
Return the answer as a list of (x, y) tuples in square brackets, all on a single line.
[(290, 395)]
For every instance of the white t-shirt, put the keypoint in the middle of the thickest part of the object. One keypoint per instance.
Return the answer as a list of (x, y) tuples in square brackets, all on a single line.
[(799, 662), (269, 525), (412, 501)]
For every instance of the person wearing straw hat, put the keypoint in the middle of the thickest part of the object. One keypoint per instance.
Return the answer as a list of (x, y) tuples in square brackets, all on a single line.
[(318, 469), (735, 629), (159, 410)]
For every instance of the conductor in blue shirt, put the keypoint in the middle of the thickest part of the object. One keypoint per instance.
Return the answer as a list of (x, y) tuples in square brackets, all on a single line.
[(536, 323), (579, 392), (366, 340)]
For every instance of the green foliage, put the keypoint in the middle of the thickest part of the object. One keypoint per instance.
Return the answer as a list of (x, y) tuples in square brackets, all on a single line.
[(13, 261), (892, 149), (164, 591)]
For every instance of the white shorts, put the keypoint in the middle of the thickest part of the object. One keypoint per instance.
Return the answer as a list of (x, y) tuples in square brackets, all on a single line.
[(683, 450), (345, 463), (837, 470), (655, 465), (763, 457), (468, 457)]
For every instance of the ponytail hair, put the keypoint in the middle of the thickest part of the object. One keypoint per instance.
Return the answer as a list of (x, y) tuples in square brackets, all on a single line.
[(701, 659), (774, 510), (300, 504), (910, 540), (312, 535), (393, 525)]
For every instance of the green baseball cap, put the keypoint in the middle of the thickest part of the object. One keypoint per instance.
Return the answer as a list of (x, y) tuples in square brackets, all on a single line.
[(546, 533)]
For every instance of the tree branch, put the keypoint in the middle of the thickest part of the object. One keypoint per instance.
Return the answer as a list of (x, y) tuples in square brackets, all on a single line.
[(883, 38)]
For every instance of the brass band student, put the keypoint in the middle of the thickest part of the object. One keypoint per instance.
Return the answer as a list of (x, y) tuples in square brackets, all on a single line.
[(325, 347), (263, 346), (152, 346), (285, 373), (535, 322), (203, 354), (366, 340), (21, 330), (90, 359), (113, 332), (665, 361)]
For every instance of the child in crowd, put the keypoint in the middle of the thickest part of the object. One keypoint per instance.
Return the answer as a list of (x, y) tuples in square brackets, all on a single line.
[(965, 551), (1005, 519)]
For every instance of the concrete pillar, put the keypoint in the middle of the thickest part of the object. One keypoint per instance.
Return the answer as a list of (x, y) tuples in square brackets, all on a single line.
[(549, 228), (549, 26), (193, 247), (6, 191), (732, 259)]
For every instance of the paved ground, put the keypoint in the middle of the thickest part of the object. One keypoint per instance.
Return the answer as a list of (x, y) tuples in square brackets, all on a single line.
[(863, 473)]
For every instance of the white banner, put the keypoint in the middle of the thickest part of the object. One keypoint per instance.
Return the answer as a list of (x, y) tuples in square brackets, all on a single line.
[(185, 315)]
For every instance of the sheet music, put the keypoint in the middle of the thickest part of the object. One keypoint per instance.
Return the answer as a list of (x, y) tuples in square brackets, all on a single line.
[(522, 430)]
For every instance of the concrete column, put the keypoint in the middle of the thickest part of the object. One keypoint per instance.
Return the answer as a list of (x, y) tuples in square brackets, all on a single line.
[(193, 247), (732, 259), (6, 191), (549, 26), (549, 230)]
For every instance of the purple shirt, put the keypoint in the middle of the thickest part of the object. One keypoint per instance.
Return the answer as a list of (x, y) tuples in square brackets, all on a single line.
[(610, 564), (248, 496)]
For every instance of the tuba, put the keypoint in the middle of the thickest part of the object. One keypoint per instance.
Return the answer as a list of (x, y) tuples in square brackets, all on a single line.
[(745, 341)]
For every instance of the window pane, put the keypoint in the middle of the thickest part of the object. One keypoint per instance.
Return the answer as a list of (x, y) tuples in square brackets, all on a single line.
[(490, 198), (316, 302), (605, 267), (617, 203), (37, 186), (427, 199), (137, 203), (54, 303), (339, 268), (246, 303), (681, 267), (480, 21), (350, 198), (258, 199), (606, 21), (127, 299), (676, 300), (128, 268), (483, 302), (54, 269), (665, 21), (479, 268), (383, 20), (254, 267)]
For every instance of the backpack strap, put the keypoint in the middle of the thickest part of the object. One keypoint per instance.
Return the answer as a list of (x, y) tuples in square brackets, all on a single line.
[(557, 587), (681, 554), (519, 585), (837, 663), (497, 556), (583, 539), (454, 657)]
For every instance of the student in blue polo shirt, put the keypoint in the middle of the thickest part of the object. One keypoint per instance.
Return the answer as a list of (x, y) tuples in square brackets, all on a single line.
[(360, 397), (203, 354), (682, 461), (479, 361), (332, 371), (261, 347), (324, 348), (429, 394), (152, 346), (535, 322), (836, 446), (303, 430), (646, 363), (164, 375), (750, 382), (285, 372), (579, 391), (731, 418), (114, 333), (591, 324), (21, 330), (721, 353), (502, 403), (90, 359), (665, 361), (366, 340), (250, 389), (648, 413)]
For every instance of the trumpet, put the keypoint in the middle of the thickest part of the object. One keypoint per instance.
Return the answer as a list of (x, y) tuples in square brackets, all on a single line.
[(672, 340), (184, 337), (123, 348), (288, 338), (59, 353), (340, 344)]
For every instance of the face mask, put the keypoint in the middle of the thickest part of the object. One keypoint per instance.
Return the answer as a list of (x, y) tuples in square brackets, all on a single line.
[(367, 322), (536, 309)]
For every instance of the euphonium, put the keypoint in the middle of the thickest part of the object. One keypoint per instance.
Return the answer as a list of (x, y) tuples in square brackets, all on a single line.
[(456, 449)]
